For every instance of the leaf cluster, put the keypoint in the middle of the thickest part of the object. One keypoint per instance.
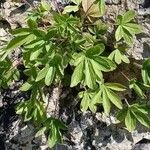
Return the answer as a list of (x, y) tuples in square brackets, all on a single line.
[(76, 39)]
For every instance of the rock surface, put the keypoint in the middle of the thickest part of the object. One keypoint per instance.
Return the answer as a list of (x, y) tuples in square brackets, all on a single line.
[(86, 131)]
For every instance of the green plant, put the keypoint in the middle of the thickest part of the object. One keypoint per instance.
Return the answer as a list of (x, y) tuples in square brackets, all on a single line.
[(75, 39)]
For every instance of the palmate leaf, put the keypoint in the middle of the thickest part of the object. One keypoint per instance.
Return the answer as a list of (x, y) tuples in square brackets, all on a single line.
[(54, 126), (119, 57), (133, 114), (133, 84), (127, 29), (89, 66), (109, 96), (87, 101)]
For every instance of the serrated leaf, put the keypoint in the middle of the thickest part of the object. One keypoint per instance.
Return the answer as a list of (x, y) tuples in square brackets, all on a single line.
[(137, 89)]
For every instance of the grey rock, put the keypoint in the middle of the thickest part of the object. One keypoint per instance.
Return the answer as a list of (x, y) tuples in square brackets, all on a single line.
[(111, 2)]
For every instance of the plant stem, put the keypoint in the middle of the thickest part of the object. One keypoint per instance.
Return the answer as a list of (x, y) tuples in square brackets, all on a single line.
[(127, 102), (125, 76)]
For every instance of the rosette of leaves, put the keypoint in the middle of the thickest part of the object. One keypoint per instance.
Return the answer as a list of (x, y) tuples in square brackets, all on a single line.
[(105, 94)]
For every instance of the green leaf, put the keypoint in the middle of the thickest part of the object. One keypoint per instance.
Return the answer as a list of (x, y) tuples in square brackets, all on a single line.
[(50, 76), (42, 73), (40, 132), (146, 72), (114, 98), (90, 79), (32, 23), (26, 86), (96, 50), (17, 42), (102, 7), (122, 114), (115, 86), (142, 118), (128, 16), (128, 37), (133, 85), (21, 31), (85, 102), (133, 28), (130, 121), (77, 75), (119, 33), (106, 102), (70, 8)]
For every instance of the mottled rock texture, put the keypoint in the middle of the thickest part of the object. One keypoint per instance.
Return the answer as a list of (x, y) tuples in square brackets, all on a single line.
[(86, 131)]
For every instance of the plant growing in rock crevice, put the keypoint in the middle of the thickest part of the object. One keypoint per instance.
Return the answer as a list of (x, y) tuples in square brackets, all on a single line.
[(74, 38)]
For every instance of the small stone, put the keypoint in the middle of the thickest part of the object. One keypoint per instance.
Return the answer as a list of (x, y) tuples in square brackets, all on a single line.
[(6, 5), (3, 32)]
